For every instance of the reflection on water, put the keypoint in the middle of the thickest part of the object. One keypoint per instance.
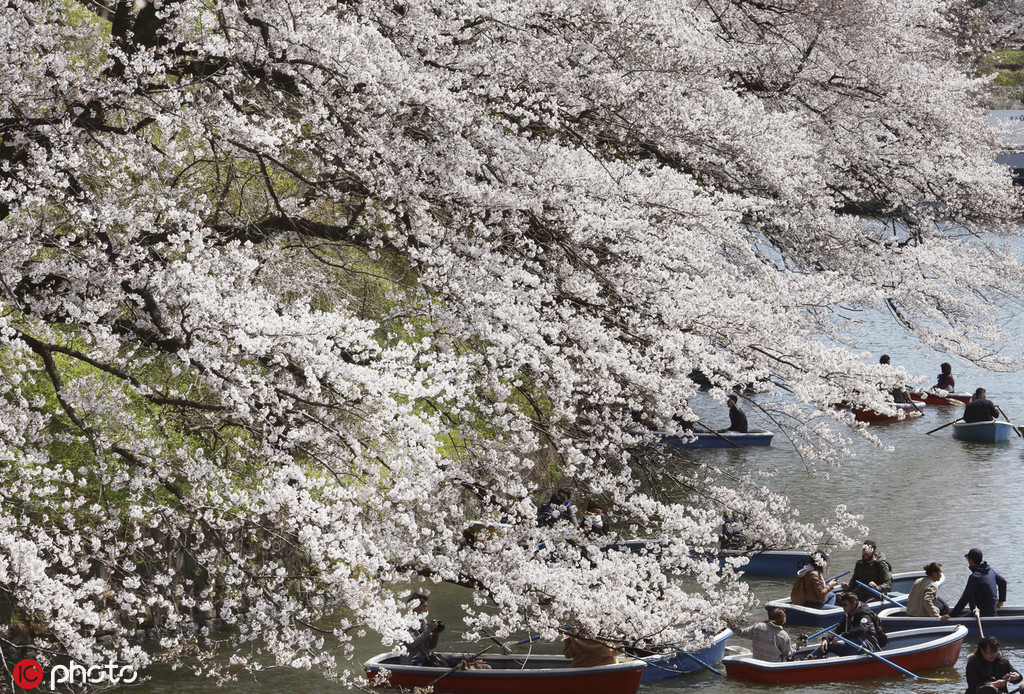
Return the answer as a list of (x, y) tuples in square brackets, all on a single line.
[(930, 499)]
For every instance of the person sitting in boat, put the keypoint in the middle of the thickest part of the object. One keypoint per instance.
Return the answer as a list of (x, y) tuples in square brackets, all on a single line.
[(980, 408), (985, 589), (558, 508), (585, 651), (924, 600), (945, 380), (899, 395), (858, 627), (737, 420), (988, 672), (810, 589), (873, 570), (732, 536), (769, 640), (419, 650), (594, 522)]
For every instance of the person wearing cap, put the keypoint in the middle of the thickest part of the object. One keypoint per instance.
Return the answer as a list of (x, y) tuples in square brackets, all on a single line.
[(980, 408), (985, 589), (810, 589), (737, 420), (872, 570)]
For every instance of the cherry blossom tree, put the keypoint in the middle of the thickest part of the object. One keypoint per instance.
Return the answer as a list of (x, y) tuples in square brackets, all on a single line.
[(292, 293)]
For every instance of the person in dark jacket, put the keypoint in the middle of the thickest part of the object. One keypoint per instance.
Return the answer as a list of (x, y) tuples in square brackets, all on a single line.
[(988, 672), (980, 408), (985, 589), (737, 420), (857, 627), (424, 639), (872, 569), (945, 379)]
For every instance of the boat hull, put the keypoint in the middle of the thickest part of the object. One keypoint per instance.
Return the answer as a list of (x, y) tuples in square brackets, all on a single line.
[(904, 411), (511, 674), (1008, 625), (781, 562), (727, 439), (914, 650), (685, 661), (983, 432), (799, 615), (930, 398)]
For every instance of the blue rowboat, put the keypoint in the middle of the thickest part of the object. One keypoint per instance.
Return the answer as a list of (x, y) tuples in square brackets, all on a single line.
[(1008, 624), (684, 660), (801, 615), (983, 432), (708, 439), (771, 563)]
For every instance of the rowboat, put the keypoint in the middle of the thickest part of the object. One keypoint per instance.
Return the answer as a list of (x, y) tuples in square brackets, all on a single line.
[(914, 650), (904, 410), (931, 397), (801, 615), (983, 432), (1007, 625), (509, 674), (781, 562), (710, 439), (684, 660)]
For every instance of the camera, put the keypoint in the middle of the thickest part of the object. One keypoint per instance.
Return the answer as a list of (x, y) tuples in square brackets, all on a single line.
[(440, 626)]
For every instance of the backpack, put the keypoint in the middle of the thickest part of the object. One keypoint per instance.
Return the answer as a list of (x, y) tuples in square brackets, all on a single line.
[(880, 635)]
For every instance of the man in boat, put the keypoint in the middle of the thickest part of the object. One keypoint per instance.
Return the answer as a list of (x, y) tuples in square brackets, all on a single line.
[(419, 650), (769, 640), (988, 672), (898, 394), (859, 626), (587, 652), (985, 589), (872, 569), (737, 420), (980, 408)]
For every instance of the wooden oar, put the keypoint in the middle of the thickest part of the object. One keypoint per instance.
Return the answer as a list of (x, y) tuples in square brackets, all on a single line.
[(885, 660), (883, 596), (944, 425), (462, 664), (977, 618)]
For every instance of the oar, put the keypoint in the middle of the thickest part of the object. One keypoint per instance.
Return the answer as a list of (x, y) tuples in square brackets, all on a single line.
[(977, 618), (883, 596), (1008, 420), (884, 660), (700, 662), (822, 631), (462, 663), (944, 426), (501, 644), (712, 431), (523, 642), (836, 578)]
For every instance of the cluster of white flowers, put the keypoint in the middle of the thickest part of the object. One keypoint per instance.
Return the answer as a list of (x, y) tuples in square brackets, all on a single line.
[(290, 293)]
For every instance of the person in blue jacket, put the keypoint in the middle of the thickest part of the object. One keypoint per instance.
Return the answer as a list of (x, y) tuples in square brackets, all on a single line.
[(985, 589)]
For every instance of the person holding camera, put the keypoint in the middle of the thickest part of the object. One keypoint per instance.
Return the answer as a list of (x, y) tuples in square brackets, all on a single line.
[(424, 639)]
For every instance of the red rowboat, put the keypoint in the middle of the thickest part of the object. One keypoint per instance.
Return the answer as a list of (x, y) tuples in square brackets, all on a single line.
[(510, 674), (904, 411), (914, 650), (932, 398)]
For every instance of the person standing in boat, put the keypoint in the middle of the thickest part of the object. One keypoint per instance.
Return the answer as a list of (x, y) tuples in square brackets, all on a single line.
[(945, 379), (980, 408), (985, 589), (737, 420), (988, 672), (873, 570), (924, 600), (857, 627), (769, 640)]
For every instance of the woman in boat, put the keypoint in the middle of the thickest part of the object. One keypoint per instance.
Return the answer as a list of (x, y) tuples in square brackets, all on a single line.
[(988, 672), (946, 380), (924, 600), (810, 589)]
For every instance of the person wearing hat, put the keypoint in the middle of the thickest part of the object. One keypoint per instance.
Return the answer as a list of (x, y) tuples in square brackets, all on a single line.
[(810, 589), (985, 589)]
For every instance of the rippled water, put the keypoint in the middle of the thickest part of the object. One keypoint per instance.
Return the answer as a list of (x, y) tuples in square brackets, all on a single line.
[(931, 499)]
